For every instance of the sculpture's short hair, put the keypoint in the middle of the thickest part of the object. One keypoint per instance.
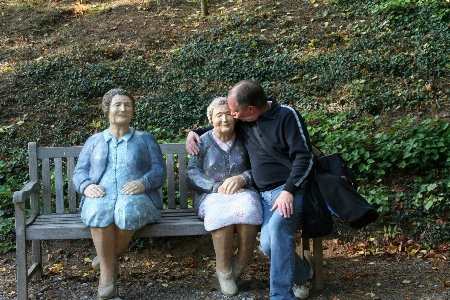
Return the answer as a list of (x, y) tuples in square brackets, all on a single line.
[(214, 103), (249, 92), (109, 95)]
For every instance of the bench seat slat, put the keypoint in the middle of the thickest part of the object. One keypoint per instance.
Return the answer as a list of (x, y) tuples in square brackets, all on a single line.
[(69, 226)]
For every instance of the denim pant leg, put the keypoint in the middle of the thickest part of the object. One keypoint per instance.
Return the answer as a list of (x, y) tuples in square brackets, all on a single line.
[(277, 242)]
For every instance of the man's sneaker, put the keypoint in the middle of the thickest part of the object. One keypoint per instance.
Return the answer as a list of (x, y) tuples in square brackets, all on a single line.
[(301, 291)]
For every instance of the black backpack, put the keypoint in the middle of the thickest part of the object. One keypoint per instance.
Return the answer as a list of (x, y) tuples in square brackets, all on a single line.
[(333, 164), (317, 220), (338, 187)]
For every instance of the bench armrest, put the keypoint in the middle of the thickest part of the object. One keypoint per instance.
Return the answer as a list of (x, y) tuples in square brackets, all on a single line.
[(29, 188)]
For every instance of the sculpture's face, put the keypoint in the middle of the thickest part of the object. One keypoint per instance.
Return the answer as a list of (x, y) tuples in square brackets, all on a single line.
[(120, 110), (222, 120)]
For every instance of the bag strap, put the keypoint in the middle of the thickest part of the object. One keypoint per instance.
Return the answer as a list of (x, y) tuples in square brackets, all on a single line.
[(316, 151), (277, 156)]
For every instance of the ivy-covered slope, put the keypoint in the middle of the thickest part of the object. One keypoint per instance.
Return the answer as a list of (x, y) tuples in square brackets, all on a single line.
[(371, 77)]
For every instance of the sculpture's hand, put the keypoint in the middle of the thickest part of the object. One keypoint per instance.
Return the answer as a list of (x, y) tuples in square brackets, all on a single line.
[(191, 145), (132, 188), (232, 185), (94, 191)]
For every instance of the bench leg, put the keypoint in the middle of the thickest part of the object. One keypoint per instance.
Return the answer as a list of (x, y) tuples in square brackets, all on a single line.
[(318, 262), (21, 253), (37, 258), (305, 246)]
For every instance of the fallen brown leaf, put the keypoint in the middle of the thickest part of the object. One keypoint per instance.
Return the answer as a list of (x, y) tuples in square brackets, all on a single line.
[(362, 245), (56, 269), (437, 265), (150, 264)]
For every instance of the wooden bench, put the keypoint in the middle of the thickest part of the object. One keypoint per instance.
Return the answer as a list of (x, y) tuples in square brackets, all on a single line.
[(47, 208)]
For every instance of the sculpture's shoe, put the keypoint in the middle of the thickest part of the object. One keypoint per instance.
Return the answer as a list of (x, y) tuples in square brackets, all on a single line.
[(227, 284)]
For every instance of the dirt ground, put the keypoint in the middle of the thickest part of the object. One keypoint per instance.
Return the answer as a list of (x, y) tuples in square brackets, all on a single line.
[(37, 29), (183, 268)]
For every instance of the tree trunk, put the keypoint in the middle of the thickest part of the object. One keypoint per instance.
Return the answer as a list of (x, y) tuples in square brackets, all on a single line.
[(204, 8)]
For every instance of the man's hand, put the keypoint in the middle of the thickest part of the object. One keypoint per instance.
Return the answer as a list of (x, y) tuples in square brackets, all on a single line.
[(94, 191), (285, 204), (132, 188), (232, 185), (191, 143)]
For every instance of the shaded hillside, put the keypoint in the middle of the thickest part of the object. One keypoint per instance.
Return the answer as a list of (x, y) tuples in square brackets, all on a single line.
[(370, 76)]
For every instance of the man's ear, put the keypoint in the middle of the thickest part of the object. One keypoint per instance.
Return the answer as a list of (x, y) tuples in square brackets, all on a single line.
[(252, 108)]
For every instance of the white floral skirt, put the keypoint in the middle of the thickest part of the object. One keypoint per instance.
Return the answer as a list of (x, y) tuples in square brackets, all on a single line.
[(220, 210)]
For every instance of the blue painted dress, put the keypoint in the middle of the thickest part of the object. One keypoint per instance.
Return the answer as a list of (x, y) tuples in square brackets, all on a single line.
[(111, 163), (206, 171)]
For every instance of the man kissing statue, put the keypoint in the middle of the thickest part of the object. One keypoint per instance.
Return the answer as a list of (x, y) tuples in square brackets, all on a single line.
[(283, 132)]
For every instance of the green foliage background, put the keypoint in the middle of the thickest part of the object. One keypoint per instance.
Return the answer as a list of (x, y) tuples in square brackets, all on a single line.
[(365, 74)]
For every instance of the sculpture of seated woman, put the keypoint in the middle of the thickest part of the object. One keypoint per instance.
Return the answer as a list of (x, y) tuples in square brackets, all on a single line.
[(118, 172), (221, 177)]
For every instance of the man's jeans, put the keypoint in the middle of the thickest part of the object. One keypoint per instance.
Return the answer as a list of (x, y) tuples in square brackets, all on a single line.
[(277, 242)]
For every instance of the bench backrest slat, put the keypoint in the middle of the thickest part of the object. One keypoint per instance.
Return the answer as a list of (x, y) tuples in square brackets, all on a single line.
[(58, 151), (72, 194), (182, 185), (60, 196), (53, 160), (170, 180), (59, 185), (34, 175), (46, 186), (176, 152)]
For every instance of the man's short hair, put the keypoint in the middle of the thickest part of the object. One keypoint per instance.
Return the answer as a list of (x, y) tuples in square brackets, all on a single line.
[(249, 93)]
